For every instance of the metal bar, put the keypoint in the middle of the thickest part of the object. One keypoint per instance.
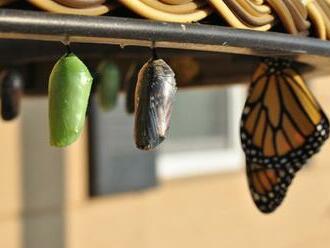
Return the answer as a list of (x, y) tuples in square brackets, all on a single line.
[(34, 25)]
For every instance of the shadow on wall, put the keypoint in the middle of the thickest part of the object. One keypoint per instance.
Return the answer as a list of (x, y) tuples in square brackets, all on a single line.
[(43, 180)]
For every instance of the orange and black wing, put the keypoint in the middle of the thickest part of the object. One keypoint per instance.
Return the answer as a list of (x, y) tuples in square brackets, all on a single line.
[(281, 127)]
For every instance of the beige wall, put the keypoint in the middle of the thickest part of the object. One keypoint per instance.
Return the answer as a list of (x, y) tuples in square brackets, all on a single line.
[(10, 190), (44, 202)]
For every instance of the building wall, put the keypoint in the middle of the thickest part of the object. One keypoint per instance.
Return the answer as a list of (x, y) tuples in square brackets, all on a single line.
[(44, 201)]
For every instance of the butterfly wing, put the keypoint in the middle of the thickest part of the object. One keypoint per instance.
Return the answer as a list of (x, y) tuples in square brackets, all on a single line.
[(268, 186), (281, 127)]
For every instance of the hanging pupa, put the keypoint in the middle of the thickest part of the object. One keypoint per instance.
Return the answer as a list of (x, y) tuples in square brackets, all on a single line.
[(108, 85), (69, 89), (154, 97), (130, 85), (11, 93)]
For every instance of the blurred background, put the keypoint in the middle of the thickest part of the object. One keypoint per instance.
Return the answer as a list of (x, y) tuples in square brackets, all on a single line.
[(191, 192)]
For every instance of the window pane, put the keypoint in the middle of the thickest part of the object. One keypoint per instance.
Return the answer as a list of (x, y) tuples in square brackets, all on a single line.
[(116, 165), (199, 120)]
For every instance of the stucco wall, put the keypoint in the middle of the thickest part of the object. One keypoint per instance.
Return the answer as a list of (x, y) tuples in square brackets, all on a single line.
[(44, 202)]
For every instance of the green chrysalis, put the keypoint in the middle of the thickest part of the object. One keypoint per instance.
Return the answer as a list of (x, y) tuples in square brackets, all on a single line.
[(108, 80), (69, 89)]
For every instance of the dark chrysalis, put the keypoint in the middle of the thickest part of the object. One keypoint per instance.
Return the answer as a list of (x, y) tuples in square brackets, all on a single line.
[(11, 93), (154, 97), (130, 85)]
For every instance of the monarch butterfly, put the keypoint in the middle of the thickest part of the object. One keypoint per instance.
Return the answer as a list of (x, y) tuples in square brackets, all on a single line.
[(154, 97), (282, 125)]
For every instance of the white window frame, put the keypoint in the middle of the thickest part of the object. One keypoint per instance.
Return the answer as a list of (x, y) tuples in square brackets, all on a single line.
[(194, 163)]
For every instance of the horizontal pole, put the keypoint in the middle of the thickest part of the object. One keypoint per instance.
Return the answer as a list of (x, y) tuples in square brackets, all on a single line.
[(37, 25)]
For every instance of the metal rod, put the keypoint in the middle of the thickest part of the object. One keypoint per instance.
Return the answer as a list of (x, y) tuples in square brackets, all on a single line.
[(35, 25)]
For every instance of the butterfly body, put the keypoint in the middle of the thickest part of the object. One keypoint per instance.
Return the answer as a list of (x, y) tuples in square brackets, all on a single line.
[(282, 126)]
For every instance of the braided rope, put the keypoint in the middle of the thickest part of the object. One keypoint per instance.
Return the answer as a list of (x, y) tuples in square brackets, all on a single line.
[(298, 17)]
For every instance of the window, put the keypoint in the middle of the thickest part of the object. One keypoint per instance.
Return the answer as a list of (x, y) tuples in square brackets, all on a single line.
[(204, 138), (204, 134)]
